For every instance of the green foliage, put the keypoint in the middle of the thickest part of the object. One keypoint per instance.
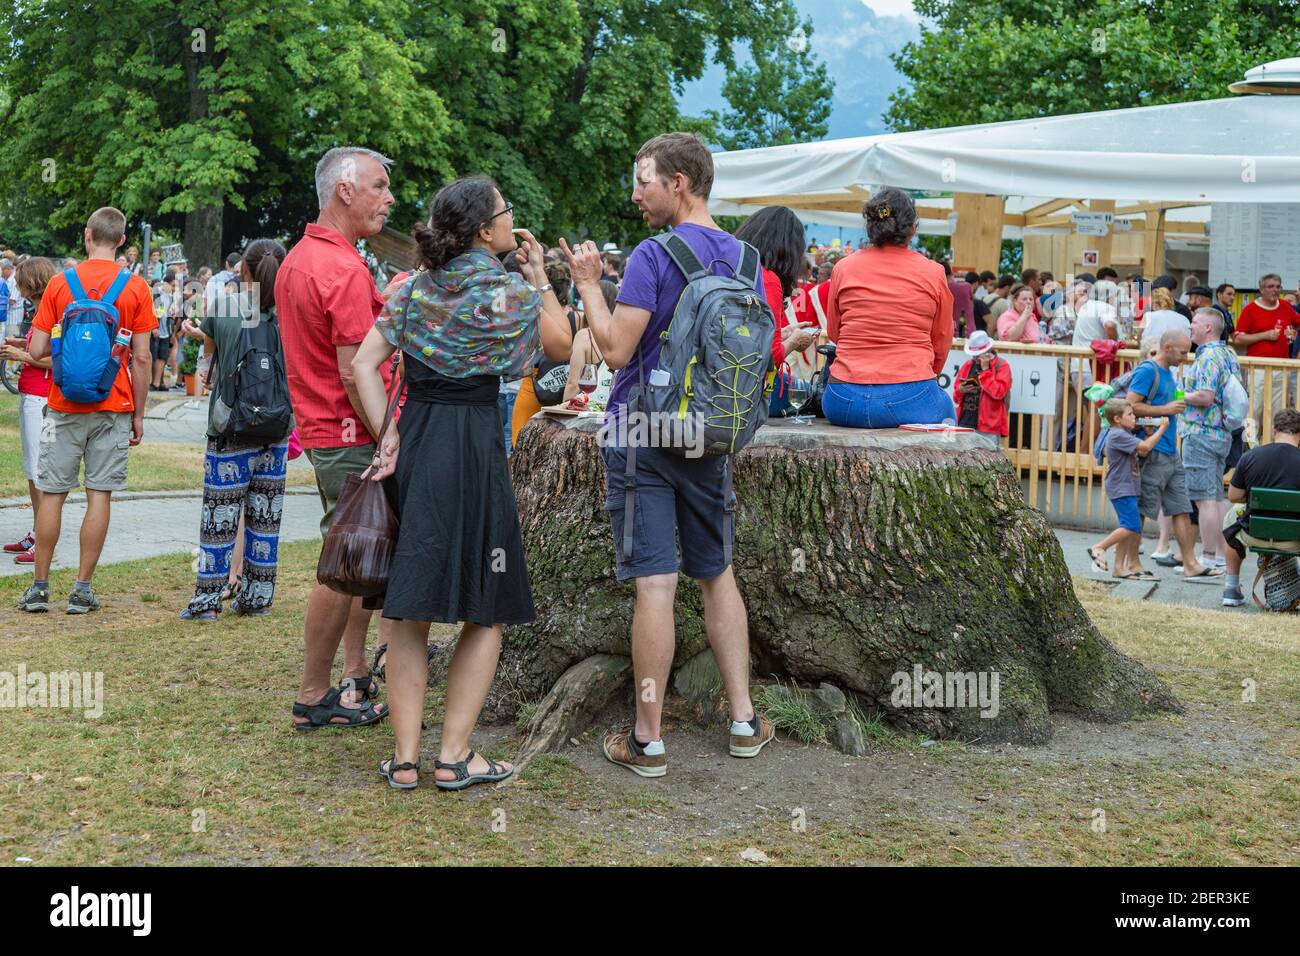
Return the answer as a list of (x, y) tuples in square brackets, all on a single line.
[(189, 362), (211, 116), (981, 61), (783, 98)]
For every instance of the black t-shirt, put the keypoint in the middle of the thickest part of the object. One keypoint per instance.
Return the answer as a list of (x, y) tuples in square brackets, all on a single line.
[(1182, 310), (1276, 465)]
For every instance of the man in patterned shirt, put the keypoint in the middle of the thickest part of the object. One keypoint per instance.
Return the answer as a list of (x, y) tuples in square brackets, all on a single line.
[(1206, 438)]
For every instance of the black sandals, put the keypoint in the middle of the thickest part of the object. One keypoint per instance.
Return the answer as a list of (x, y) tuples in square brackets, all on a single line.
[(387, 768), (464, 778), (330, 706), (377, 669)]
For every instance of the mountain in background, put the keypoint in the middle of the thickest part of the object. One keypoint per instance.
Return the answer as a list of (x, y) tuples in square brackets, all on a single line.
[(854, 41)]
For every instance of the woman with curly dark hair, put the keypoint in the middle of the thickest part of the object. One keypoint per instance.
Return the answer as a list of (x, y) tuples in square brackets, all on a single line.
[(777, 234), (890, 316), (462, 322)]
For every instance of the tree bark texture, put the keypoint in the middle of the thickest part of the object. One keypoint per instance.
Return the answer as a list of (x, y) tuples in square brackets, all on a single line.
[(861, 556)]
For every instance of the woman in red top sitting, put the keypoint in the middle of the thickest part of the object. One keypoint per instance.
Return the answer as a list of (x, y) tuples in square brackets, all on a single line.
[(891, 319), (32, 276), (777, 234)]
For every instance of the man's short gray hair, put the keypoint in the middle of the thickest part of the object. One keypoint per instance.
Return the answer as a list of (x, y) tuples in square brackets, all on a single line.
[(1213, 316), (334, 167)]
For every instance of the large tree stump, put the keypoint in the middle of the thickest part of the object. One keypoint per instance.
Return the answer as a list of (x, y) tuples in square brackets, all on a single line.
[(861, 555)]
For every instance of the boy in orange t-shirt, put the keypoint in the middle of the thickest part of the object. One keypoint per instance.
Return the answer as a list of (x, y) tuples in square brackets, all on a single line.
[(98, 433)]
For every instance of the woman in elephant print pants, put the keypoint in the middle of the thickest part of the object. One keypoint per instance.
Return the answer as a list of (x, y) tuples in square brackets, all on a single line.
[(239, 478)]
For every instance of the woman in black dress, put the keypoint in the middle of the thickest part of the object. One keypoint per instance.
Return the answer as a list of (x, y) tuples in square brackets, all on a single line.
[(462, 323)]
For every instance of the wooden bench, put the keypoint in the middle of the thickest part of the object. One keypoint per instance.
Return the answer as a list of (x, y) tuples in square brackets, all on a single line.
[(1284, 527)]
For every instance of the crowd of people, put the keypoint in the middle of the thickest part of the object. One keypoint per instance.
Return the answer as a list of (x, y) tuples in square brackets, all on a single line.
[(410, 387)]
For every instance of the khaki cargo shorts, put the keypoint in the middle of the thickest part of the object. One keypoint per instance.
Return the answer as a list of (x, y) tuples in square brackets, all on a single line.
[(333, 465), (101, 439)]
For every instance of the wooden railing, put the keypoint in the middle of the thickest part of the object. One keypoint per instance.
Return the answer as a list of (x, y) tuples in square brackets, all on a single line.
[(1054, 452)]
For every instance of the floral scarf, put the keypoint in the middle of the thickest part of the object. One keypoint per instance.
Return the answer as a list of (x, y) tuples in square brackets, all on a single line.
[(470, 317)]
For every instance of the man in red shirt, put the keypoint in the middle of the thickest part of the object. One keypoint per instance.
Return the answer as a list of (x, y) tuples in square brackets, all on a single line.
[(326, 302), (97, 432), (1267, 327)]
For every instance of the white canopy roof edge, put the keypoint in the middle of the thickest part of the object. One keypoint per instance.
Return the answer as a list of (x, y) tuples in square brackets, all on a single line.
[(1237, 149)]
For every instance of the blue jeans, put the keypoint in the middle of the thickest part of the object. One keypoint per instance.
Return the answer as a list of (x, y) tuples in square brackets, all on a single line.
[(506, 403), (887, 406)]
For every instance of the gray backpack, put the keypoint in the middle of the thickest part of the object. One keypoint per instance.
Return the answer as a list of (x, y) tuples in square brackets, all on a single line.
[(717, 353), (717, 358)]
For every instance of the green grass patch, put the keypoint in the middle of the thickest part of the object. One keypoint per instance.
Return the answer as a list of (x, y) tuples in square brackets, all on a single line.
[(790, 709)]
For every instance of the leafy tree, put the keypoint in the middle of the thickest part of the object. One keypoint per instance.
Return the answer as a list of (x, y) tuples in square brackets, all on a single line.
[(207, 118), (982, 61), (203, 112), (784, 97)]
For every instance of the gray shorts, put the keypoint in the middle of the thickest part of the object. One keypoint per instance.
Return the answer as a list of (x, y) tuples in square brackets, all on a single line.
[(101, 439), (676, 499), (1164, 487), (1205, 459)]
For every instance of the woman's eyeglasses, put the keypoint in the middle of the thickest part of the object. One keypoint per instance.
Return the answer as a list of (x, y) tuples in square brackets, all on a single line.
[(510, 208)]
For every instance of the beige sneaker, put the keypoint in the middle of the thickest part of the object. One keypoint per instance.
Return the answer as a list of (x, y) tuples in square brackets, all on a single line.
[(621, 749), (749, 746)]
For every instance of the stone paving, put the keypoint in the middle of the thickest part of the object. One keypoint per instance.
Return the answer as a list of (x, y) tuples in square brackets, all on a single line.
[(149, 524)]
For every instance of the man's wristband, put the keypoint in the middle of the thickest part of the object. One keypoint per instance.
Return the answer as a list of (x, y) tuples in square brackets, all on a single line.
[(546, 288)]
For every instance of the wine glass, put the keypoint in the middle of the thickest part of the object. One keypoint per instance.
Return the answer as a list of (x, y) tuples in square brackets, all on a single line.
[(799, 389), (587, 379), (1034, 379)]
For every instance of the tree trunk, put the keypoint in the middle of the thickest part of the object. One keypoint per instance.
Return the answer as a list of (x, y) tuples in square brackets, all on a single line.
[(203, 223), (867, 559)]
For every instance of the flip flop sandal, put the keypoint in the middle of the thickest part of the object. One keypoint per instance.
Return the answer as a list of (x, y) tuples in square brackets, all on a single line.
[(464, 778), (387, 768), (1098, 564), (323, 714), (1140, 576), (1207, 576)]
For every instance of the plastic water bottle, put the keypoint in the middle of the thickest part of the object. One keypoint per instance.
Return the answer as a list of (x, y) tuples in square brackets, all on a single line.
[(121, 347)]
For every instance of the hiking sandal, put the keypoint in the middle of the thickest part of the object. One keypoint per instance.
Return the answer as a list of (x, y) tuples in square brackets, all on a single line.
[(330, 706), (377, 670), (464, 778), (366, 687), (387, 768)]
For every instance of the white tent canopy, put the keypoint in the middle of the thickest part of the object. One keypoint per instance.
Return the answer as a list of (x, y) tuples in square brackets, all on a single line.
[(1238, 149)]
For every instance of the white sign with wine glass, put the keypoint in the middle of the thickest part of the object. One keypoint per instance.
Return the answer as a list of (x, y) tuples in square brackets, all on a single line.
[(1033, 380)]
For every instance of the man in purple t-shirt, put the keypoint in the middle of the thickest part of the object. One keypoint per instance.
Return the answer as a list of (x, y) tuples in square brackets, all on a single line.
[(675, 497)]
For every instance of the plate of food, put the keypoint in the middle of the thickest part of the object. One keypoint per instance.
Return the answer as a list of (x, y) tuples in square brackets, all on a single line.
[(578, 405)]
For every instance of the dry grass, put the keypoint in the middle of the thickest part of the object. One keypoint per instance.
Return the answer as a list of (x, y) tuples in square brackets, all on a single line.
[(193, 761)]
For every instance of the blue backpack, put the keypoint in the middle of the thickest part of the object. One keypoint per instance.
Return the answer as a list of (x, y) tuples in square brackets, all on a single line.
[(82, 354)]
